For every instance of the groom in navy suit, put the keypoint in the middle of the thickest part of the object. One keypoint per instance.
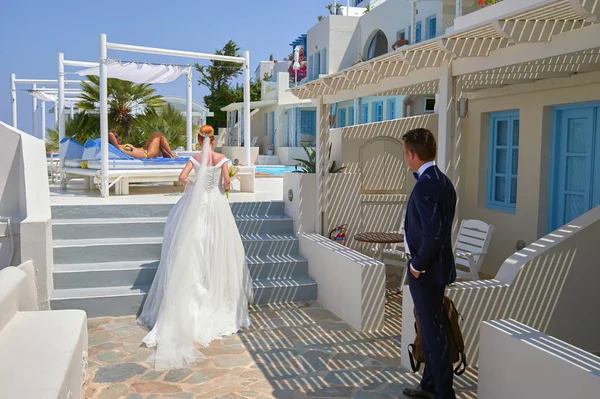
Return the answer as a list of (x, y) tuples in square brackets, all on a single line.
[(428, 244)]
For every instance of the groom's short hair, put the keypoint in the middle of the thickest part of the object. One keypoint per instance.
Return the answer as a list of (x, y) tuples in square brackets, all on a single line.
[(422, 142)]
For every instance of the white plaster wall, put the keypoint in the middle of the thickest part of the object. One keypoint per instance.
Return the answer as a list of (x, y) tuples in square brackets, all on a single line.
[(351, 285), (534, 103), (550, 286), (238, 153), (25, 198), (302, 207), (337, 34), (518, 361)]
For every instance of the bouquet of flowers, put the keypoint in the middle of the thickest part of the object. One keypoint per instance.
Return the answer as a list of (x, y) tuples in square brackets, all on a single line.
[(232, 172)]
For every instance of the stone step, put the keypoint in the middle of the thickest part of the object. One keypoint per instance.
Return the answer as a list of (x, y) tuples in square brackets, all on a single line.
[(123, 301), (140, 273), (154, 210), (72, 229), (101, 250)]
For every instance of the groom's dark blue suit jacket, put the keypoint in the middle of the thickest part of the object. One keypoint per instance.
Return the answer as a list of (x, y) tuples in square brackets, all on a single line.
[(428, 227)]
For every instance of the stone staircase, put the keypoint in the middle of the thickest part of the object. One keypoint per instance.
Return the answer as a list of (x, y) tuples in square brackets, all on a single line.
[(106, 256)]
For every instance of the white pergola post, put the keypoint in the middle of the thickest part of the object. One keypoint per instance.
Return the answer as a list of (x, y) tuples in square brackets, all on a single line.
[(188, 113), (246, 113), (444, 104), (43, 110), (60, 107), (34, 126), (13, 98), (103, 116), (413, 21), (322, 172)]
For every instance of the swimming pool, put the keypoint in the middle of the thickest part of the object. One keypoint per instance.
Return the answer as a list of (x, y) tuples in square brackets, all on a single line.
[(277, 170)]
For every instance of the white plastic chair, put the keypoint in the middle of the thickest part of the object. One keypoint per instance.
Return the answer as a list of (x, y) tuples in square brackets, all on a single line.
[(474, 237)]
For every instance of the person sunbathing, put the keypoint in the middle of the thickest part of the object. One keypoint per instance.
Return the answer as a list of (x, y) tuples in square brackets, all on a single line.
[(157, 142)]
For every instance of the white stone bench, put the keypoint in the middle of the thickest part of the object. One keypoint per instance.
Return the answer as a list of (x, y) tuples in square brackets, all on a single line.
[(43, 354), (516, 361), (351, 285)]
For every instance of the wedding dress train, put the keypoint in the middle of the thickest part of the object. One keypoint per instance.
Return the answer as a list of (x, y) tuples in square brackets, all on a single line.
[(202, 286)]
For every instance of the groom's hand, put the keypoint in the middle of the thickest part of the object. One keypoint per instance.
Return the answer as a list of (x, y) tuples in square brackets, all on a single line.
[(414, 273)]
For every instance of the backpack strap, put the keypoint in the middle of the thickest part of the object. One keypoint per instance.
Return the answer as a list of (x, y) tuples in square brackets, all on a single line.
[(462, 365), (413, 366)]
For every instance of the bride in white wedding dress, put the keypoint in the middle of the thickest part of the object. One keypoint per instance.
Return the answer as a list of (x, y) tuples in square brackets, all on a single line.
[(202, 286)]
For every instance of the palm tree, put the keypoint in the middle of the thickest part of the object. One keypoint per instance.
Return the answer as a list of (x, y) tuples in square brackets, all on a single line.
[(81, 127), (166, 120), (123, 96)]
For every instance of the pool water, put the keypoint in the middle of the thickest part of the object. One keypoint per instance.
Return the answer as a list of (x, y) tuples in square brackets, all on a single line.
[(277, 170)]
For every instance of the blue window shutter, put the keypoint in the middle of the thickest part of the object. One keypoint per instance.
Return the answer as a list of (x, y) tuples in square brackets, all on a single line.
[(503, 159), (365, 113), (324, 61), (317, 65), (342, 118), (351, 116), (377, 111), (311, 68), (418, 32), (308, 122), (266, 124), (392, 109), (432, 27)]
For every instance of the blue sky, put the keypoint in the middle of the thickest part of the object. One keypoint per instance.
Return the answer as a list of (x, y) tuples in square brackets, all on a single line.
[(32, 33)]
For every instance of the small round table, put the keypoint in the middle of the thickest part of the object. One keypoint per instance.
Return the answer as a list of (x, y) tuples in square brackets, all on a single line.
[(380, 239)]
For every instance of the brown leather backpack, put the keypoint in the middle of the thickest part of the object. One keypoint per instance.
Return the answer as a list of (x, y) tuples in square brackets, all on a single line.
[(455, 340)]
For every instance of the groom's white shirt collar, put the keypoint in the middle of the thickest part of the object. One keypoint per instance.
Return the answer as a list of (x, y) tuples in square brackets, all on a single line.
[(424, 167)]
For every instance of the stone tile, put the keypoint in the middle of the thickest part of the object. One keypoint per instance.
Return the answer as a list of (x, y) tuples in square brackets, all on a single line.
[(234, 360), (177, 375), (332, 392), (118, 373), (151, 375), (371, 395), (135, 396), (114, 391), (110, 357), (156, 387), (181, 395)]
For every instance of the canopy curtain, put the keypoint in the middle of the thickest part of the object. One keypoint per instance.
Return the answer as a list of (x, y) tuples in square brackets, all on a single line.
[(44, 96), (139, 72)]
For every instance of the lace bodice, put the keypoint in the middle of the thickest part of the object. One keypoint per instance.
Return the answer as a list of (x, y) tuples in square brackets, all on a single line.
[(212, 179)]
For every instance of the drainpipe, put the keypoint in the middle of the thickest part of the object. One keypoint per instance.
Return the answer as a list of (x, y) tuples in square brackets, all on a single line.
[(413, 21)]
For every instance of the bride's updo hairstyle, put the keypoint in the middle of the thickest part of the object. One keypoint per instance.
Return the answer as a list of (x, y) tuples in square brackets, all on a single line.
[(206, 131)]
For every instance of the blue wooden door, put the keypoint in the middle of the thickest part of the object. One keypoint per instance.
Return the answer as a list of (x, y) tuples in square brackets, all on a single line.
[(575, 187)]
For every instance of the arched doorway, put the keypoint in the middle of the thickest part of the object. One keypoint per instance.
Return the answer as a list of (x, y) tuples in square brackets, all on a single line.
[(378, 45)]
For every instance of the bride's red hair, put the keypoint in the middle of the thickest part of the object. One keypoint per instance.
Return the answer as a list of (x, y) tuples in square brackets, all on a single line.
[(206, 131)]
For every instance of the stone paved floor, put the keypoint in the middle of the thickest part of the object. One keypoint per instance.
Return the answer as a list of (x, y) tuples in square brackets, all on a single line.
[(291, 351)]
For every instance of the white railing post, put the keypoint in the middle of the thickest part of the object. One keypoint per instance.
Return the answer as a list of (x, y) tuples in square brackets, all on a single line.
[(444, 105), (34, 125), (413, 21), (246, 113), (188, 112), (43, 110), (60, 107), (103, 116), (13, 98)]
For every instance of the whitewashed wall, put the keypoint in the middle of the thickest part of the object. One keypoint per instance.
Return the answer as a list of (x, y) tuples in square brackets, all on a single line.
[(370, 194), (25, 198)]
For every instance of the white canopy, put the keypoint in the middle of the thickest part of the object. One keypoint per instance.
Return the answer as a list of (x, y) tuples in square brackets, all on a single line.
[(45, 96), (139, 72)]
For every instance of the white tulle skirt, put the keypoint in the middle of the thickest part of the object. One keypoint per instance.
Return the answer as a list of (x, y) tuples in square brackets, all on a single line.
[(202, 287)]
